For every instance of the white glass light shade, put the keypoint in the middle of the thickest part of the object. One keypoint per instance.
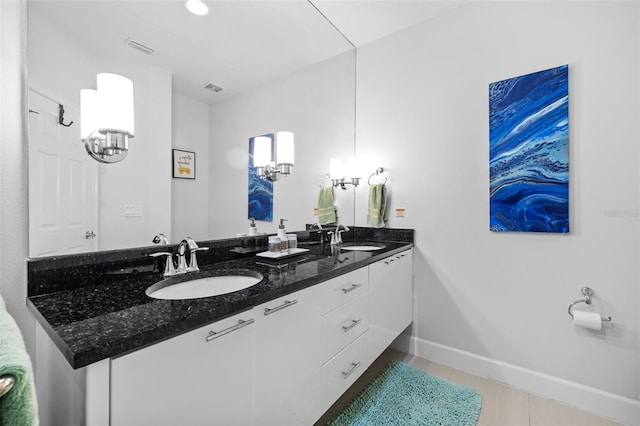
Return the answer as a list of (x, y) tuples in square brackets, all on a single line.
[(261, 151), (115, 96), (88, 112), (197, 7), (352, 170), (285, 148), (336, 169)]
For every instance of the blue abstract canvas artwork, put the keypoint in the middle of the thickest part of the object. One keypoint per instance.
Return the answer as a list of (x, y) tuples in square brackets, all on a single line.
[(529, 152), (260, 192)]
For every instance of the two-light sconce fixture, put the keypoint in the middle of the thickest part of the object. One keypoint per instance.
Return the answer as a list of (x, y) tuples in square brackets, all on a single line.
[(106, 118), (273, 157), (342, 175)]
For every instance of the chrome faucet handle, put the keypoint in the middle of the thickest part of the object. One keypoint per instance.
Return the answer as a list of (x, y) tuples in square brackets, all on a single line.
[(193, 262), (169, 268), (339, 236)]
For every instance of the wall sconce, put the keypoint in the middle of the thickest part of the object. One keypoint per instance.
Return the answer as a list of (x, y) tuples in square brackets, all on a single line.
[(268, 165), (341, 175), (106, 118)]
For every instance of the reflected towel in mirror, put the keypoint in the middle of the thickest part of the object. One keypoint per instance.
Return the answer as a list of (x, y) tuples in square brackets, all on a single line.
[(326, 209)]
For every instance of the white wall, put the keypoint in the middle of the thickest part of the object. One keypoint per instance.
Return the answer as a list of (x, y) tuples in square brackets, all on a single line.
[(190, 198), (317, 104), (502, 297), (13, 168), (59, 66)]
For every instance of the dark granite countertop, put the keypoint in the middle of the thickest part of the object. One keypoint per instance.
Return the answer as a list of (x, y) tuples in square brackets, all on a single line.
[(110, 314)]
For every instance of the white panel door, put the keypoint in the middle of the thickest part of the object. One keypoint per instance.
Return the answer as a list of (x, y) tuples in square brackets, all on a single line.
[(62, 183)]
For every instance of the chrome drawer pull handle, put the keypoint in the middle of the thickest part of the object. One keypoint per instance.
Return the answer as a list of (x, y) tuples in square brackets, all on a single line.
[(350, 289), (354, 365), (287, 303), (241, 323), (346, 328)]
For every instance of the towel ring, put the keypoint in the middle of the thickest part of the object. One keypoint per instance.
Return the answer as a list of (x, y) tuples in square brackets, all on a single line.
[(587, 292), (323, 183), (376, 173)]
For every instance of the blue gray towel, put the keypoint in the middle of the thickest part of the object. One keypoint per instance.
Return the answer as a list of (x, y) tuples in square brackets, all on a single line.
[(18, 407)]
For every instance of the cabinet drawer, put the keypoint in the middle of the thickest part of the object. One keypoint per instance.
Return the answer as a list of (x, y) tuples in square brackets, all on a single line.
[(344, 369), (345, 288), (344, 324)]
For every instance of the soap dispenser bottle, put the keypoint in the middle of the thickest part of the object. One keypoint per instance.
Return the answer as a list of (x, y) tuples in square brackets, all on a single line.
[(282, 234), (253, 230)]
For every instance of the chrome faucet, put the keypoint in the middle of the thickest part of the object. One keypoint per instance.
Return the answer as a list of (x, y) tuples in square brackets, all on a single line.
[(336, 236), (182, 267), (193, 249)]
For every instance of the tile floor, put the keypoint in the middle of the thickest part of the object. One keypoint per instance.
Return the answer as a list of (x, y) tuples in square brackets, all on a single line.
[(502, 405)]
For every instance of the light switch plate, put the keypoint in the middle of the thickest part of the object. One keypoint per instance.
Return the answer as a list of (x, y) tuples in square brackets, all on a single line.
[(132, 211)]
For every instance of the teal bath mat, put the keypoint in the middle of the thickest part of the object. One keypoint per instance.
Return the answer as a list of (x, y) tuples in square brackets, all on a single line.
[(403, 395)]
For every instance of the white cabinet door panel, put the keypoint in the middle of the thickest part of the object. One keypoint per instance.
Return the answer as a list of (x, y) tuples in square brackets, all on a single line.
[(194, 379), (390, 298), (287, 359)]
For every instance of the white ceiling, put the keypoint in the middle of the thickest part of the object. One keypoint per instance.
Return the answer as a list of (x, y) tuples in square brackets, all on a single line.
[(363, 21), (241, 43)]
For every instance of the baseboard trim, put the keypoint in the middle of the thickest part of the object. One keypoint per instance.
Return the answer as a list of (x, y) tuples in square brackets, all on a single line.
[(605, 404)]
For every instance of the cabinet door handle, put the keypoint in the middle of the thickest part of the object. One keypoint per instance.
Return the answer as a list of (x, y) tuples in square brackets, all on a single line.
[(241, 323), (354, 366), (351, 288), (286, 304), (354, 322)]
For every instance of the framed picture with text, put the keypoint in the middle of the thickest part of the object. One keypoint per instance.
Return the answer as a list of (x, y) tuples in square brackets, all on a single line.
[(184, 164)]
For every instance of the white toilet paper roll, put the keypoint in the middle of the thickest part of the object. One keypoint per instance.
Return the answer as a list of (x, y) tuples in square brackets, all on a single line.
[(589, 320)]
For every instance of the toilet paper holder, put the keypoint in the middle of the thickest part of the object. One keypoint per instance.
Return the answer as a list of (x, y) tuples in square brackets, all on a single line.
[(587, 292)]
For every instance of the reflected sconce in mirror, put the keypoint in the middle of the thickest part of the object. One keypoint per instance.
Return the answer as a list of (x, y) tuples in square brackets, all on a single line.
[(272, 163), (342, 175), (106, 118)]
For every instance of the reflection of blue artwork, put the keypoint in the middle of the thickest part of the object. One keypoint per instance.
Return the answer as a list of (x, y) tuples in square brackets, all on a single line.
[(529, 159), (260, 193)]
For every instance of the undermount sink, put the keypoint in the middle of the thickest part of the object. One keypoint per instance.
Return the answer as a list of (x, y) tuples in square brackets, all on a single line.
[(222, 282), (362, 247)]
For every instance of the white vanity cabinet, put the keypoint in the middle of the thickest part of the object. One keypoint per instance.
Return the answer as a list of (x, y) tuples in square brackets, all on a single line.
[(390, 298), (286, 358), (281, 363), (201, 377)]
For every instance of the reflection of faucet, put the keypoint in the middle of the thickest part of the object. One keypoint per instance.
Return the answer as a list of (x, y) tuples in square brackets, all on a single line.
[(160, 239), (320, 233)]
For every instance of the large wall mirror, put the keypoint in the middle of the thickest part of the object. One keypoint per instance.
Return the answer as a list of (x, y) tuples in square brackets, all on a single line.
[(281, 65)]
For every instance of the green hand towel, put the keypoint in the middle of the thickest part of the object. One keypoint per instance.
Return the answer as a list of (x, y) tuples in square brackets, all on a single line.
[(377, 205), (326, 209), (19, 406)]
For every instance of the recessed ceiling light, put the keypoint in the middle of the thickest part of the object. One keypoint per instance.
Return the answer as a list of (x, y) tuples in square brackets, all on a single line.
[(197, 7)]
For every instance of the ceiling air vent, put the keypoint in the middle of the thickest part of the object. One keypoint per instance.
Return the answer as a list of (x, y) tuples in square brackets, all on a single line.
[(138, 46), (213, 87)]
